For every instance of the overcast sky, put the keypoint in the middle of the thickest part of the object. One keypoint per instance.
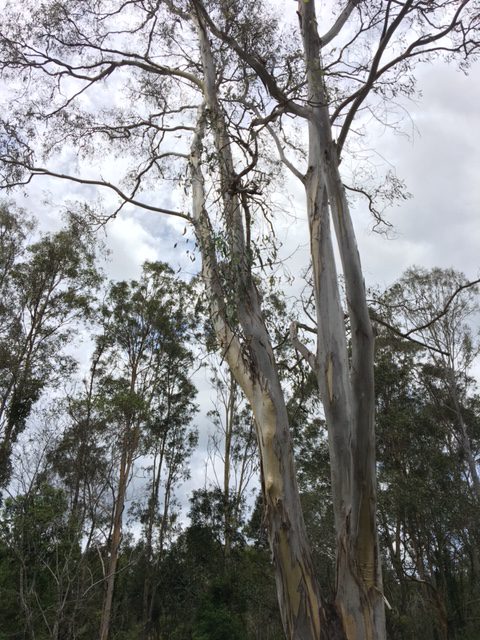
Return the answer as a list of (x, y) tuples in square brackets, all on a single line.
[(439, 160), (440, 224)]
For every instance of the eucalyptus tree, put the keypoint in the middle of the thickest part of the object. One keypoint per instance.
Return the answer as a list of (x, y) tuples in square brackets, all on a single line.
[(79, 458), (209, 87), (428, 513), (233, 446), (46, 288), (145, 400), (439, 307), (168, 443), (40, 560), (41, 557)]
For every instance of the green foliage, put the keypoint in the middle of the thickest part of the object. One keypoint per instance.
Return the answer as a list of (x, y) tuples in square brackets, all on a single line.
[(45, 287), (219, 617), (202, 596), (427, 510), (40, 552), (139, 400)]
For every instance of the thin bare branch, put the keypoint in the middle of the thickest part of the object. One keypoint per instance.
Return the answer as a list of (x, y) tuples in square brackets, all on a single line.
[(281, 152), (416, 48), (379, 219), (376, 318), (308, 356), (408, 335), (373, 75), (445, 309), (333, 32), (41, 171)]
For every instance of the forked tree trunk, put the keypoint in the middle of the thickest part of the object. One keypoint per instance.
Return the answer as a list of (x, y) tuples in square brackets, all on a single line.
[(345, 382), (346, 386)]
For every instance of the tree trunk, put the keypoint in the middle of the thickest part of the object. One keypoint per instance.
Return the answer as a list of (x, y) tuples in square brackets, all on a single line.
[(148, 586), (252, 363), (464, 437), (128, 449), (161, 539), (345, 384), (228, 514)]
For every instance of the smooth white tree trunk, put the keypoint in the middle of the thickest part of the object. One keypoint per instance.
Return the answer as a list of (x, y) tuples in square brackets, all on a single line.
[(345, 381)]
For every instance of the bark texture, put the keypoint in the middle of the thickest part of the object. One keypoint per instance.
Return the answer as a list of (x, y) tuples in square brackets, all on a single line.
[(345, 380)]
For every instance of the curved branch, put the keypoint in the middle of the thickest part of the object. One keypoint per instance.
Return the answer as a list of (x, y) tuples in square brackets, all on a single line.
[(308, 356), (41, 171), (444, 311), (401, 334), (339, 23), (407, 335), (97, 70), (281, 152), (379, 220)]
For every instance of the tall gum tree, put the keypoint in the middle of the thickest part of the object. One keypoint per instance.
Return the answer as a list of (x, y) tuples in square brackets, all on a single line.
[(178, 58), (46, 288), (345, 379), (141, 384), (233, 445), (252, 362)]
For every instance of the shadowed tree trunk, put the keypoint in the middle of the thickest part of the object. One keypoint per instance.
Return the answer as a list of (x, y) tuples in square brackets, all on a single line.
[(127, 456)]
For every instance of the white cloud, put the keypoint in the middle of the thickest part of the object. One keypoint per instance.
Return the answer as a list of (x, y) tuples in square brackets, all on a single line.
[(130, 245), (440, 225)]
